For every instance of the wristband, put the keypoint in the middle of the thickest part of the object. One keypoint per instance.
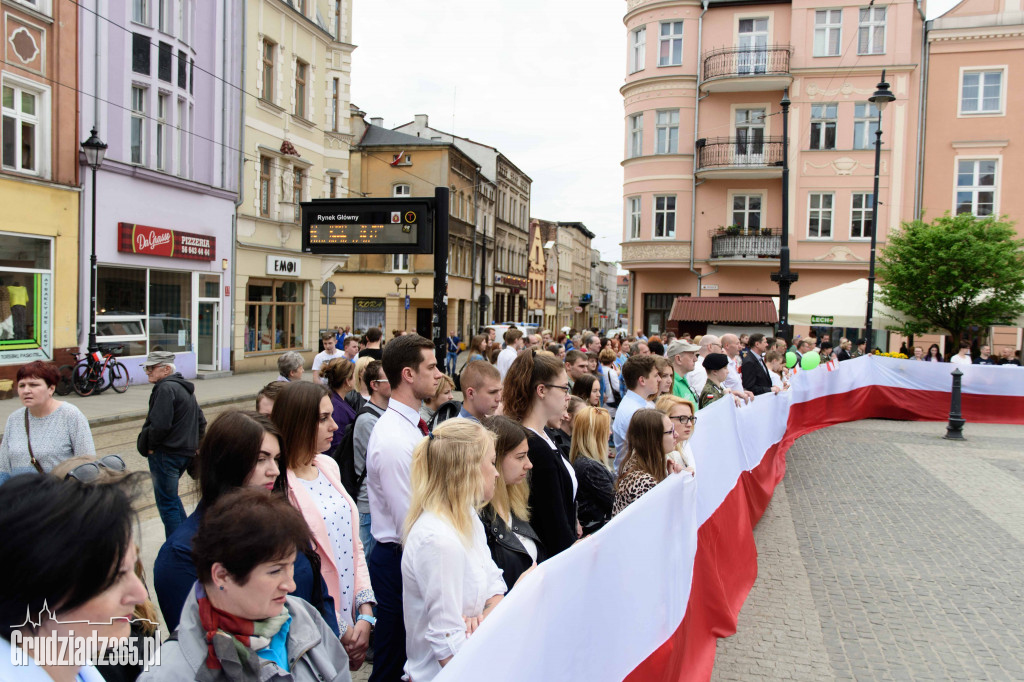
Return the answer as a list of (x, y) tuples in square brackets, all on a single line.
[(369, 619)]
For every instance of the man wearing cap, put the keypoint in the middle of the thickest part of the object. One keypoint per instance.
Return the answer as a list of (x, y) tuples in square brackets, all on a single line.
[(683, 356), (861, 346), (170, 435)]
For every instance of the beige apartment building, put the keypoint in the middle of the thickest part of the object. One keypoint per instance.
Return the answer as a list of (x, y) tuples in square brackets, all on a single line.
[(297, 138)]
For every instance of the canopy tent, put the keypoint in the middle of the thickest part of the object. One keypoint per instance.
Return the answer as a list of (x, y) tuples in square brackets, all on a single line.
[(842, 306)]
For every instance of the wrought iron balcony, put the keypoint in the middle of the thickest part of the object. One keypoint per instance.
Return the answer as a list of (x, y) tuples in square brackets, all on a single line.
[(747, 68), (717, 152), (740, 243)]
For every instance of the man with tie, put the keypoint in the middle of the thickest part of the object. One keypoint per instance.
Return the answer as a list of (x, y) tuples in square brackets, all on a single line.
[(756, 378), (411, 368)]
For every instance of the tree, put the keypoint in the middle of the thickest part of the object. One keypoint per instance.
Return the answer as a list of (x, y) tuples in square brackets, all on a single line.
[(953, 273)]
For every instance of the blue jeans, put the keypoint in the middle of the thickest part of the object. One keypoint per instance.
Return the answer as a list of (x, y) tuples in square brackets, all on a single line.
[(452, 358), (166, 470), (364, 535)]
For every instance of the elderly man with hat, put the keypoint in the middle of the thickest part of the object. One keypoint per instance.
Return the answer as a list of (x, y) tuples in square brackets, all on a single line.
[(683, 356), (170, 435)]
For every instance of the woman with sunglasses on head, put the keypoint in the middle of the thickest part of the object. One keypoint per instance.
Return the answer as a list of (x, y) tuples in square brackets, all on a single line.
[(303, 414), (680, 412), (589, 456), (45, 431), (240, 623), (69, 562), (514, 544), (536, 392), (240, 450), (651, 438)]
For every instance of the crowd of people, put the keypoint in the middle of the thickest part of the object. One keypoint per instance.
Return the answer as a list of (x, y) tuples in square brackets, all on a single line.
[(366, 514)]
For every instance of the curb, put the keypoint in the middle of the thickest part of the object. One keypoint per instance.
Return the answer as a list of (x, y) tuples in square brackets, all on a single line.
[(131, 416)]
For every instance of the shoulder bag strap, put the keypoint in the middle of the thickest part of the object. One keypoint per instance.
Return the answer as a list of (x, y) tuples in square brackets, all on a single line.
[(28, 439)]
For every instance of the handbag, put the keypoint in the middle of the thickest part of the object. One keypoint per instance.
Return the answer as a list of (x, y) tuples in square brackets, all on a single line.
[(28, 439)]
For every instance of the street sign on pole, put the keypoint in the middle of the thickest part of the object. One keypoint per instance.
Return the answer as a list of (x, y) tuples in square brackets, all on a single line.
[(407, 301), (328, 290)]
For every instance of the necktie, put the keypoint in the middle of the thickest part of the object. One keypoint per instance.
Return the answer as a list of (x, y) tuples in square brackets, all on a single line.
[(423, 427)]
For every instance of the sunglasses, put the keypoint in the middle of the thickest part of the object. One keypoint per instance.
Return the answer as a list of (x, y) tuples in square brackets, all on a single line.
[(90, 471)]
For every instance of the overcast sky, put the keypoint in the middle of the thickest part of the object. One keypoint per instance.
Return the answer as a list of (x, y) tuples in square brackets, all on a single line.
[(538, 79)]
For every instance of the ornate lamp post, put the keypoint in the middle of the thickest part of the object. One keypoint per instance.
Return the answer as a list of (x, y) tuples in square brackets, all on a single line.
[(880, 99), (95, 149), (785, 277), (398, 285)]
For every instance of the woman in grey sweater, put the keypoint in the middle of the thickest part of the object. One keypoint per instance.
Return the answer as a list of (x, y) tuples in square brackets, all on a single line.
[(45, 431)]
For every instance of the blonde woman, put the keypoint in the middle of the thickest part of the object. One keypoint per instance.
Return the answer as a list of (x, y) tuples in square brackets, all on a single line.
[(442, 394), (361, 385), (514, 544), (450, 583), (589, 457), (680, 412)]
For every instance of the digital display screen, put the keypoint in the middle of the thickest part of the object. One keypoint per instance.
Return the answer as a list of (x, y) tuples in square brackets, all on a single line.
[(362, 233), (344, 226)]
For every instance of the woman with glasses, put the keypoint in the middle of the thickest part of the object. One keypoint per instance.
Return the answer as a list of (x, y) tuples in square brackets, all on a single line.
[(651, 439), (680, 412), (240, 450), (535, 392), (589, 456), (45, 431)]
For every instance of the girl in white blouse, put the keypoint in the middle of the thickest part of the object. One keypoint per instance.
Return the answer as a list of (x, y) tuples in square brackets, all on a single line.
[(449, 581)]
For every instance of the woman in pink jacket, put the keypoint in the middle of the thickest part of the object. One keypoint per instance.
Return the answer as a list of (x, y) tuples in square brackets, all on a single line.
[(303, 412)]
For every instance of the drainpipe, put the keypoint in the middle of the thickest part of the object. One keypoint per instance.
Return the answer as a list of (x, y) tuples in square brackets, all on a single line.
[(696, 118), (241, 160), (472, 260), (922, 90)]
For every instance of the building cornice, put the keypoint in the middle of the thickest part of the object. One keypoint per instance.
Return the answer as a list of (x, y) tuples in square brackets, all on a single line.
[(850, 70), (948, 35), (633, 7), (143, 173), (652, 83)]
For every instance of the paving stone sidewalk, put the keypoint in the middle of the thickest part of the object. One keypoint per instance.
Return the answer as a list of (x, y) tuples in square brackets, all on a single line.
[(888, 553)]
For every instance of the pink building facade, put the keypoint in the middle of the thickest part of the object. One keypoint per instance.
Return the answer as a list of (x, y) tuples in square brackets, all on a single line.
[(703, 152)]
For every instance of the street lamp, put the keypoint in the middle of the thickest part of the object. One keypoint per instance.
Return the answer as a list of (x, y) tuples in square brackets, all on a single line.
[(95, 149), (784, 276), (398, 285), (880, 99)]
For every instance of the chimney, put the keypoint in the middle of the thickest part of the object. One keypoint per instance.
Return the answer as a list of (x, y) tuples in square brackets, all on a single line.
[(421, 120), (377, 121)]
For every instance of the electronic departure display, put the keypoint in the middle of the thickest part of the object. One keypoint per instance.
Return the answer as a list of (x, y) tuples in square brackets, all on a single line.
[(343, 226)]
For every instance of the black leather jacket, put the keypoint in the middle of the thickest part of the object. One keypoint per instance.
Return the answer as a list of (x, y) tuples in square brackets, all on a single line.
[(506, 549)]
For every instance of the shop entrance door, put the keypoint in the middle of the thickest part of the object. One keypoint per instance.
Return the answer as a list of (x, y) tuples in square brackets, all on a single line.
[(208, 336)]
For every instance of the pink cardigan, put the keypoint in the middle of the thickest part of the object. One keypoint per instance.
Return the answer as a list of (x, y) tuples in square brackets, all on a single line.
[(300, 498)]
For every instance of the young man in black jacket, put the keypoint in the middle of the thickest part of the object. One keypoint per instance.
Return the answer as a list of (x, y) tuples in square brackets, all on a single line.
[(170, 435)]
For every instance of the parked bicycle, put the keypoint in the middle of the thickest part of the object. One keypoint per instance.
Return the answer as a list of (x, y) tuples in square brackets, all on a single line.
[(65, 384), (99, 371)]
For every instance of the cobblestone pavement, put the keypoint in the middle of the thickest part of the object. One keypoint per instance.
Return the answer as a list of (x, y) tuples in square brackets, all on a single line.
[(888, 553)]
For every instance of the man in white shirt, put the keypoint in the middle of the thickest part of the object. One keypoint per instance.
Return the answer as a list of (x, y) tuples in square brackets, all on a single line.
[(964, 356), (709, 343), (733, 383), (413, 373), (350, 346), (330, 352), (641, 377), (513, 344)]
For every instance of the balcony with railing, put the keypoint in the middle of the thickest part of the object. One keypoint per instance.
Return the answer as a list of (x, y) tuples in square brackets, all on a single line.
[(746, 69), (737, 243), (749, 157)]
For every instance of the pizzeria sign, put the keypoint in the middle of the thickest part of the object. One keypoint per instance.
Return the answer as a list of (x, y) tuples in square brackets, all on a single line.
[(158, 241)]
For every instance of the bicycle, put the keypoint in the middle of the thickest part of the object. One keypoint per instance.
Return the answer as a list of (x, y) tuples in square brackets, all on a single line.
[(97, 372), (65, 384)]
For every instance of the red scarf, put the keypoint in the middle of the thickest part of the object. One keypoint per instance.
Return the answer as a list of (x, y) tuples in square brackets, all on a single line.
[(248, 635)]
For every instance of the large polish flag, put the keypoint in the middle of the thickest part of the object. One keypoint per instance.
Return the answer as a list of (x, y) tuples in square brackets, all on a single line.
[(647, 596)]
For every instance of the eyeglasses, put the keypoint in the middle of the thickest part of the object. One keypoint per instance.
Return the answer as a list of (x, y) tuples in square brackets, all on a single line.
[(149, 370), (564, 388), (380, 381), (90, 471), (683, 419), (670, 431)]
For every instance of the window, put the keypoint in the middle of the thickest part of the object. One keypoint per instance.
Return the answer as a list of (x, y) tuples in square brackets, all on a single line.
[(182, 139), (368, 312), (819, 216), (337, 20), (301, 6), (667, 129), (637, 47), (333, 184), (828, 32), (861, 215), (746, 212), (335, 87), (161, 131), (400, 262), (300, 88), (749, 136), (192, 77), (27, 274), (275, 314), (182, 70), (664, 217), (264, 186), (140, 53), (823, 126), (268, 71), (138, 124), (140, 11), (865, 123), (976, 187), (871, 31), (633, 219), (170, 310), (21, 137), (752, 36), (163, 19), (981, 92), (297, 177), (670, 44), (636, 135), (163, 64)]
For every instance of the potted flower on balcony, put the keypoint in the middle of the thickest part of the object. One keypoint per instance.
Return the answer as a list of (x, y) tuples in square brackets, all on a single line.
[(733, 230), (766, 232)]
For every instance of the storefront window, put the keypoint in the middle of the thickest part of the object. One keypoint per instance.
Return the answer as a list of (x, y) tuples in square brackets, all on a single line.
[(125, 316), (170, 311), (275, 315), (368, 312), (25, 295)]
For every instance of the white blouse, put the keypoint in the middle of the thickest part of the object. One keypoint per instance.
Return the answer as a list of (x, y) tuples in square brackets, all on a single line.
[(442, 581), (337, 516)]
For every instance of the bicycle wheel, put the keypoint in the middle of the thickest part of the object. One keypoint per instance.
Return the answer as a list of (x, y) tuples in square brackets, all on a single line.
[(81, 379), (118, 377), (64, 385)]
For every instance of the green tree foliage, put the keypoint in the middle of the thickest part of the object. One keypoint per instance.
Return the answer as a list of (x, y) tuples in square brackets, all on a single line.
[(953, 273)]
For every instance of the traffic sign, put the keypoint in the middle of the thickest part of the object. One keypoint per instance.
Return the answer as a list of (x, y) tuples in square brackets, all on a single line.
[(407, 301), (328, 290)]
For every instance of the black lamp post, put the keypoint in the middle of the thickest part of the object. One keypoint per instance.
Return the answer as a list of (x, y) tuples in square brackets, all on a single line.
[(398, 285), (784, 276), (95, 149), (880, 99)]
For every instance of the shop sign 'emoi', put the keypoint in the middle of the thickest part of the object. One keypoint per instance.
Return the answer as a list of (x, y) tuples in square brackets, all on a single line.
[(159, 241)]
